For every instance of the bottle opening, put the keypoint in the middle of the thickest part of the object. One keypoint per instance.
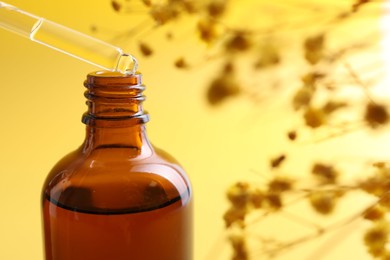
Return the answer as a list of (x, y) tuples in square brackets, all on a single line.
[(114, 99)]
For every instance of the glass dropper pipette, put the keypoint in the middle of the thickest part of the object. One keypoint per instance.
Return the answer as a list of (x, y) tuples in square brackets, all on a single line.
[(66, 40)]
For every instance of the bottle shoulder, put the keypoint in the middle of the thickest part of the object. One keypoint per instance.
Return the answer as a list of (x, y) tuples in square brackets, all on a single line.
[(117, 160), (110, 179)]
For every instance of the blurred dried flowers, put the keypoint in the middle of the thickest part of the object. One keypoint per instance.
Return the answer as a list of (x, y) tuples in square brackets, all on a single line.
[(276, 39)]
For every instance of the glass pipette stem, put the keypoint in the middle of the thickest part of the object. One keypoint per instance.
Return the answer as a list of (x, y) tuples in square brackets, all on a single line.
[(66, 40)]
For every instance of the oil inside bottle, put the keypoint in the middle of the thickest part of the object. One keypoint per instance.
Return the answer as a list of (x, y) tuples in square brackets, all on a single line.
[(80, 231)]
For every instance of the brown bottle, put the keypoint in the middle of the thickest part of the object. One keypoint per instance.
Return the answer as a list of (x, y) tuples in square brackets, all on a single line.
[(117, 197)]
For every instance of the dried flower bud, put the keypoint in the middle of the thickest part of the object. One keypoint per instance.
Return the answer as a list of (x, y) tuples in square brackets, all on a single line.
[(207, 30), (116, 5), (240, 250), (238, 195), (379, 164), (311, 78), (313, 57), (376, 115), (314, 43), (169, 36), (314, 117), (313, 47), (162, 14), (302, 97), (238, 42), (376, 185), (235, 216), (221, 88), (228, 68), (145, 49), (292, 135), (276, 162), (148, 3), (376, 238), (374, 213), (94, 28), (279, 185), (274, 201), (324, 201), (216, 8), (326, 174), (181, 63), (257, 198)]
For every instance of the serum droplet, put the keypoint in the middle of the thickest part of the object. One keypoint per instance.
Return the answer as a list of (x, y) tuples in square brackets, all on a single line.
[(127, 64)]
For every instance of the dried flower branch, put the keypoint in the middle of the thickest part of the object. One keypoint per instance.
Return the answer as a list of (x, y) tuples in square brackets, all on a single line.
[(322, 75)]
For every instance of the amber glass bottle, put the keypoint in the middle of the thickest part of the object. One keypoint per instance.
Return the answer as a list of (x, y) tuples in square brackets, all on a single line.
[(117, 197)]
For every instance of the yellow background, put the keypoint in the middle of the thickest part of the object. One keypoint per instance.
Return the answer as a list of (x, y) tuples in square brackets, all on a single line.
[(41, 103)]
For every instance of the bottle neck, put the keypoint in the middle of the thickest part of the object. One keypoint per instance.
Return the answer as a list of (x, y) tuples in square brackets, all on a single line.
[(115, 116)]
